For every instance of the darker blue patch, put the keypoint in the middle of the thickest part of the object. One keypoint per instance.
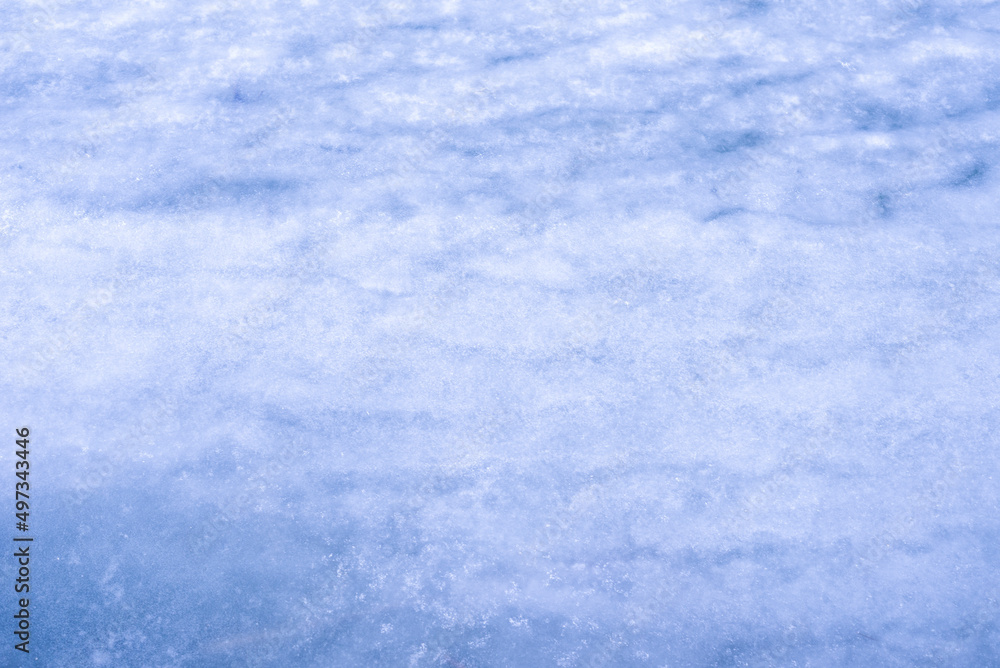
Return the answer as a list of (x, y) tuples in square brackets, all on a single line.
[(736, 141), (878, 117), (215, 192), (882, 204), (992, 97), (304, 46), (752, 8), (971, 176), (722, 213), (514, 57), (245, 94)]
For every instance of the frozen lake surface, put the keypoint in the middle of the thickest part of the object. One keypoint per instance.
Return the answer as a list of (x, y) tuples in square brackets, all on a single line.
[(505, 333)]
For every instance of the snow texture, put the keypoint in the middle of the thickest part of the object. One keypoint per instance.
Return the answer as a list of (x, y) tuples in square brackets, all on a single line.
[(523, 333)]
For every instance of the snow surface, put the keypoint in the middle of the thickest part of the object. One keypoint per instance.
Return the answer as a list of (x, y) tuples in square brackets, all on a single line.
[(504, 333)]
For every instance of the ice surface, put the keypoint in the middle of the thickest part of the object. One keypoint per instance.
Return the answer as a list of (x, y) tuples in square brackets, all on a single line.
[(505, 333)]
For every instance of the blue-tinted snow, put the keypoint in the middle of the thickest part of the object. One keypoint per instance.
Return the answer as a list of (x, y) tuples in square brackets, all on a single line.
[(505, 334)]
